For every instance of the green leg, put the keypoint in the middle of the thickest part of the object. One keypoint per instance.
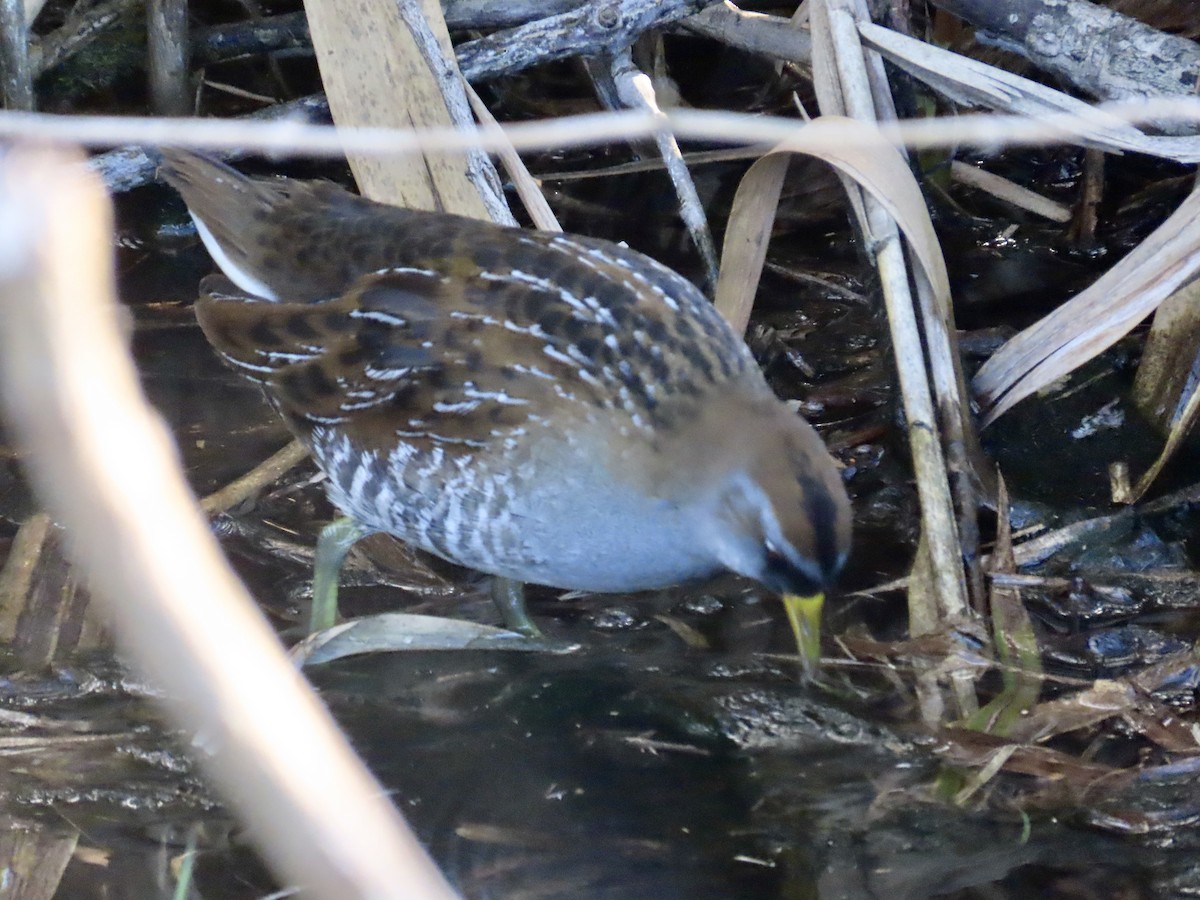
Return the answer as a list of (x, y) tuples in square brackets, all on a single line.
[(332, 546), (509, 597)]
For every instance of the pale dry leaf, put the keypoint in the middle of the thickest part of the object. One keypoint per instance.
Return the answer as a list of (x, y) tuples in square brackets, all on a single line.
[(1096, 318), (1170, 359), (973, 83), (527, 187), (1180, 429), (1167, 387), (391, 632), (378, 72), (869, 161), (747, 234), (1083, 709)]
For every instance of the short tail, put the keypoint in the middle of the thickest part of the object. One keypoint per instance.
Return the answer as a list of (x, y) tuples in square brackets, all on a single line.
[(232, 215)]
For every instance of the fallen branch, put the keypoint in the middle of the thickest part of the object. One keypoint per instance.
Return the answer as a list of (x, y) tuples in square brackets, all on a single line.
[(267, 472), (1097, 50), (595, 27)]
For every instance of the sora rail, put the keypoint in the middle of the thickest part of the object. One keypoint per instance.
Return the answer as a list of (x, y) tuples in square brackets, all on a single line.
[(542, 407)]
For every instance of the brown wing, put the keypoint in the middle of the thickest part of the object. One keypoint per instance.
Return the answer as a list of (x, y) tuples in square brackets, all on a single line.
[(390, 356), (475, 355), (294, 241)]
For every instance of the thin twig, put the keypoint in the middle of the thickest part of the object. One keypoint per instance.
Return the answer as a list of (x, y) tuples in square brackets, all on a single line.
[(266, 472), (526, 185), (774, 36), (125, 168), (596, 26), (939, 524), (483, 14), (480, 174), (219, 43), (591, 129), (1008, 191), (636, 92)]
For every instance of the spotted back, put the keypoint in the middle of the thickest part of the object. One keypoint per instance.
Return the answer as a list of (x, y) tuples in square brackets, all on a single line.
[(440, 367), (503, 331)]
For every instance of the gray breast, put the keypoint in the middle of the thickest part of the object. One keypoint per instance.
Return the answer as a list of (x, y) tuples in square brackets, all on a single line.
[(554, 515)]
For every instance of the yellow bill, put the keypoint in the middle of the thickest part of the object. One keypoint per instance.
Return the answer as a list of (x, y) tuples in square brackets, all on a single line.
[(804, 615)]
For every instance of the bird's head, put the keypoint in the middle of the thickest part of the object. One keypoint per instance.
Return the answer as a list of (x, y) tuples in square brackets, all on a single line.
[(783, 519)]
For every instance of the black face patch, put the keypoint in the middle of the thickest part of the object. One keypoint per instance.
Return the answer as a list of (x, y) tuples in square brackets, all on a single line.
[(822, 511), (784, 578)]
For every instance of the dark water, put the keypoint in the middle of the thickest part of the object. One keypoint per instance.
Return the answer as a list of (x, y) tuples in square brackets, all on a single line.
[(614, 772)]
